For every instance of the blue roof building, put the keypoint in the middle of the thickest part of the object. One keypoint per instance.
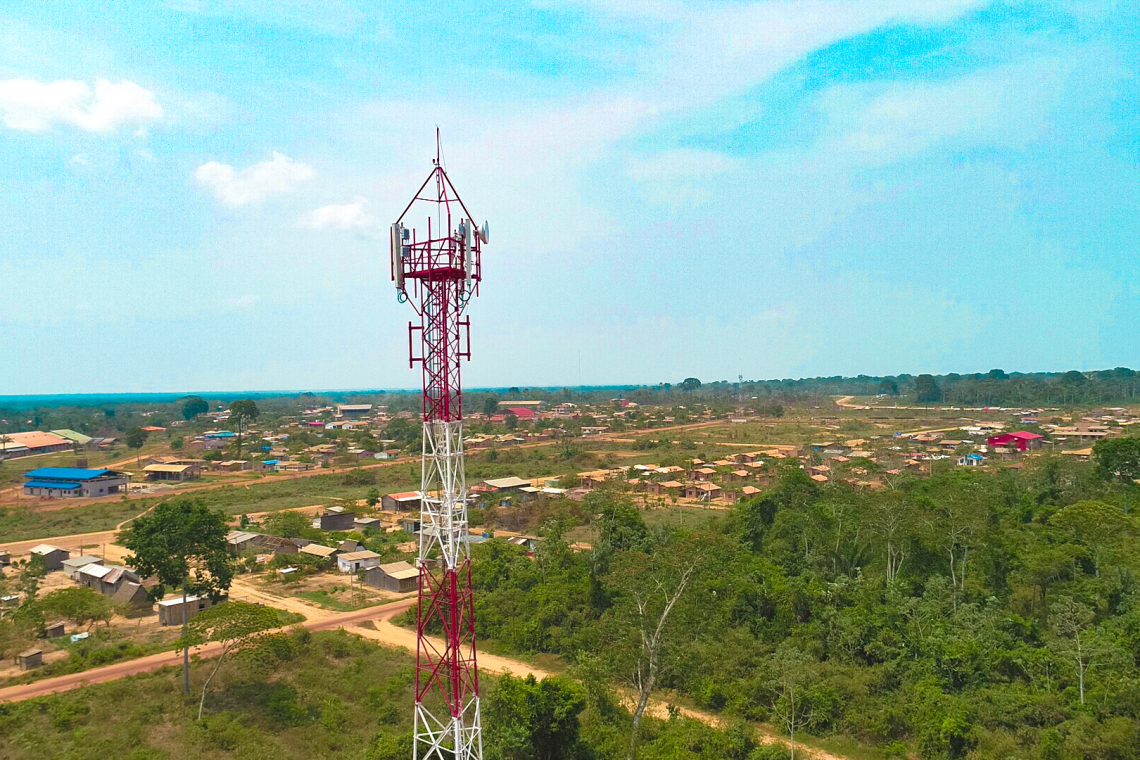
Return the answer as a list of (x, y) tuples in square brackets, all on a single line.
[(73, 482)]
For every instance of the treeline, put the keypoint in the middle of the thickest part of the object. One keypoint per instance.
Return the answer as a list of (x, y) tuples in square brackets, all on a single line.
[(970, 615)]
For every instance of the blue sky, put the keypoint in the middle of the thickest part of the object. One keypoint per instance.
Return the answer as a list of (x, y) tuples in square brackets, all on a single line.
[(194, 193)]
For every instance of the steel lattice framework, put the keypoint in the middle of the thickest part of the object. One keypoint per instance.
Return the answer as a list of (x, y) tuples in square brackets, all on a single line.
[(438, 275)]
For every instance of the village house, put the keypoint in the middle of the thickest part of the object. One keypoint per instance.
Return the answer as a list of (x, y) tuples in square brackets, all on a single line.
[(172, 472), (72, 566), (353, 410), (703, 474), (334, 518), (52, 556), (591, 480), (242, 541), (504, 484), (106, 579), (528, 542), (703, 491), (317, 550), (1020, 440), (131, 598), (366, 523), (407, 501), (173, 611), (30, 658), (399, 577), (32, 443), (352, 562)]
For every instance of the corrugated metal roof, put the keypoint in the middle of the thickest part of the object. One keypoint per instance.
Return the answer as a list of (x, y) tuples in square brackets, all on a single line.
[(86, 559), (60, 484), (363, 554), (318, 550), (94, 570), (177, 600), (36, 439), (66, 473), (71, 435), (168, 467), (511, 482)]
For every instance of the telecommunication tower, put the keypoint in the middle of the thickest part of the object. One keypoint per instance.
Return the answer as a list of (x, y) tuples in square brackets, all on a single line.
[(438, 273)]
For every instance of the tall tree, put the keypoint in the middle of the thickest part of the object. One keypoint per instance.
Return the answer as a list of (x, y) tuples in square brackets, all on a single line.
[(182, 544), (792, 674), (648, 589), (527, 719), (1103, 529), (690, 384), (1119, 457), (135, 437), (1073, 623), (927, 389), (194, 406), (234, 625), (242, 413), (80, 604)]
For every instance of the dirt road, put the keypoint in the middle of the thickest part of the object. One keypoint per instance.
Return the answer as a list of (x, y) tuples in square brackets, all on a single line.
[(164, 659), (372, 623)]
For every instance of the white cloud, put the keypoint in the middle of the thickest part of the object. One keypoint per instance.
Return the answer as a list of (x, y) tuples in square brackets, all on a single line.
[(1009, 107), (756, 40), (680, 177), (252, 184), (32, 106), (349, 216), (81, 159)]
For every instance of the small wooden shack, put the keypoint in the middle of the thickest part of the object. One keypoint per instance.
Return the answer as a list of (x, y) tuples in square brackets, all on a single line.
[(30, 658), (170, 611)]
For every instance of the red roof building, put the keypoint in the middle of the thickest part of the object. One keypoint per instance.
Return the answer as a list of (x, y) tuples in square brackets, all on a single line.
[(1021, 440)]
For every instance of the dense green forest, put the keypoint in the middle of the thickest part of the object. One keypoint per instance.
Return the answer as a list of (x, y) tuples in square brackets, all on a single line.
[(972, 615)]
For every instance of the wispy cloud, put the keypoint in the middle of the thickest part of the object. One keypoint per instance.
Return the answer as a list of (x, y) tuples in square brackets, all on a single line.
[(348, 216), (254, 183), (32, 106)]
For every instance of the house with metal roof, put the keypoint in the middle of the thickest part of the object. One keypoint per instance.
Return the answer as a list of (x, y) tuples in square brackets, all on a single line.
[(34, 442), (352, 562), (175, 472), (394, 576), (77, 438), (73, 482), (52, 556), (74, 565), (106, 579)]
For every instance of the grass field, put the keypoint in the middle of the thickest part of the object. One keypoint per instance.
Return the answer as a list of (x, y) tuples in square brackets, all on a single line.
[(309, 696), (109, 646)]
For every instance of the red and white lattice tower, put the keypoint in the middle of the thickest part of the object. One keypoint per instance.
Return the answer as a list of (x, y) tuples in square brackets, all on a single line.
[(438, 273)]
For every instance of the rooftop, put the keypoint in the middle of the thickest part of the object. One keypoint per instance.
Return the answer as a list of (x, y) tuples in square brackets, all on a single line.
[(66, 473)]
